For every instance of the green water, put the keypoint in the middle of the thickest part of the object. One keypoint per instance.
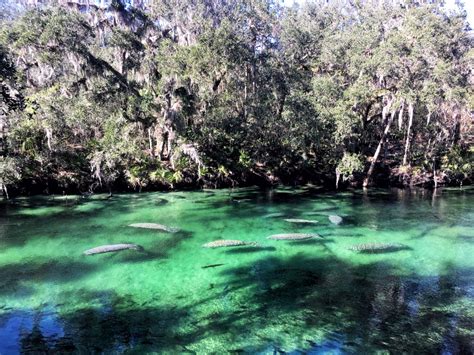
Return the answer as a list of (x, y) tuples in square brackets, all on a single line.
[(315, 296)]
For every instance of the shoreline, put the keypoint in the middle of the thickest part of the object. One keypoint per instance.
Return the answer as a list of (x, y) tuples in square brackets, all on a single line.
[(309, 187)]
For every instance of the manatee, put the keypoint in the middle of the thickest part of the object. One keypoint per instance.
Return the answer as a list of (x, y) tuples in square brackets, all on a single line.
[(156, 226), (302, 221), (273, 215), (312, 213), (294, 236), (334, 219), (239, 200), (112, 248), (161, 201), (377, 247), (227, 243)]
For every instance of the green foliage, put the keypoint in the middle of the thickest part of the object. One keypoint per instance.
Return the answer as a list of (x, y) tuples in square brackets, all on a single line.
[(209, 93), (458, 161), (9, 171), (349, 164), (7, 69), (244, 159)]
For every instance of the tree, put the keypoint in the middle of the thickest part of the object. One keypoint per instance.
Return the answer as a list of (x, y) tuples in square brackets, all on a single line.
[(221, 93)]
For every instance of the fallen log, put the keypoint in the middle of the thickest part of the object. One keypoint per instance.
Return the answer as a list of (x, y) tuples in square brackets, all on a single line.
[(211, 266)]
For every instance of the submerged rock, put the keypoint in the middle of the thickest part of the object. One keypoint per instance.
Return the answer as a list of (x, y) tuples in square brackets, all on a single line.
[(334, 219), (294, 236), (228, 243), (156, 226), (377, 247), (112, 248), (302, 221)]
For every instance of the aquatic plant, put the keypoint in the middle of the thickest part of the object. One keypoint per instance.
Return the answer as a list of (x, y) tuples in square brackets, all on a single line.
[(294, 236), (112, 248), (156, 226), (227, 243)]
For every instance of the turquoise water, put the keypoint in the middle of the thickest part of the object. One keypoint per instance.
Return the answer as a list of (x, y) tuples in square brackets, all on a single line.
[(316, 295)]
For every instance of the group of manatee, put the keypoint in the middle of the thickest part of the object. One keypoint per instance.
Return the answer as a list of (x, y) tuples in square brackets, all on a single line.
[(285, 236), (334, 219), (118, 247)]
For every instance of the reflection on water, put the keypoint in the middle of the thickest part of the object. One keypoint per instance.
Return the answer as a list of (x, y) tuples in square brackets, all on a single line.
[(316, 296)]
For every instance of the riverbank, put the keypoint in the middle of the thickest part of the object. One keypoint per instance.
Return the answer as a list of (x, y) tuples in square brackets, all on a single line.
[(410, 178)]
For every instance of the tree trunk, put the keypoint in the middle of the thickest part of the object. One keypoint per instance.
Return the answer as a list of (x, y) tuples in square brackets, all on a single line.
[(49, 136), (5, 190), (150, 141), (378, 150), (245, 92), (164, 152), (407, 144), (400, 115)]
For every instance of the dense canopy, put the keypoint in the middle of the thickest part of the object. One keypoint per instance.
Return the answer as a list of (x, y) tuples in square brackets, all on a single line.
[(219, 93)]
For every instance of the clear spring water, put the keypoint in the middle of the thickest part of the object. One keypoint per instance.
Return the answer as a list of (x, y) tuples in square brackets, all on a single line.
[(315, 296)]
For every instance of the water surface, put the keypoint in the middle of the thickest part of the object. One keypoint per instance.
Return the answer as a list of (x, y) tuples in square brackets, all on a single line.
[(316, 296)]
